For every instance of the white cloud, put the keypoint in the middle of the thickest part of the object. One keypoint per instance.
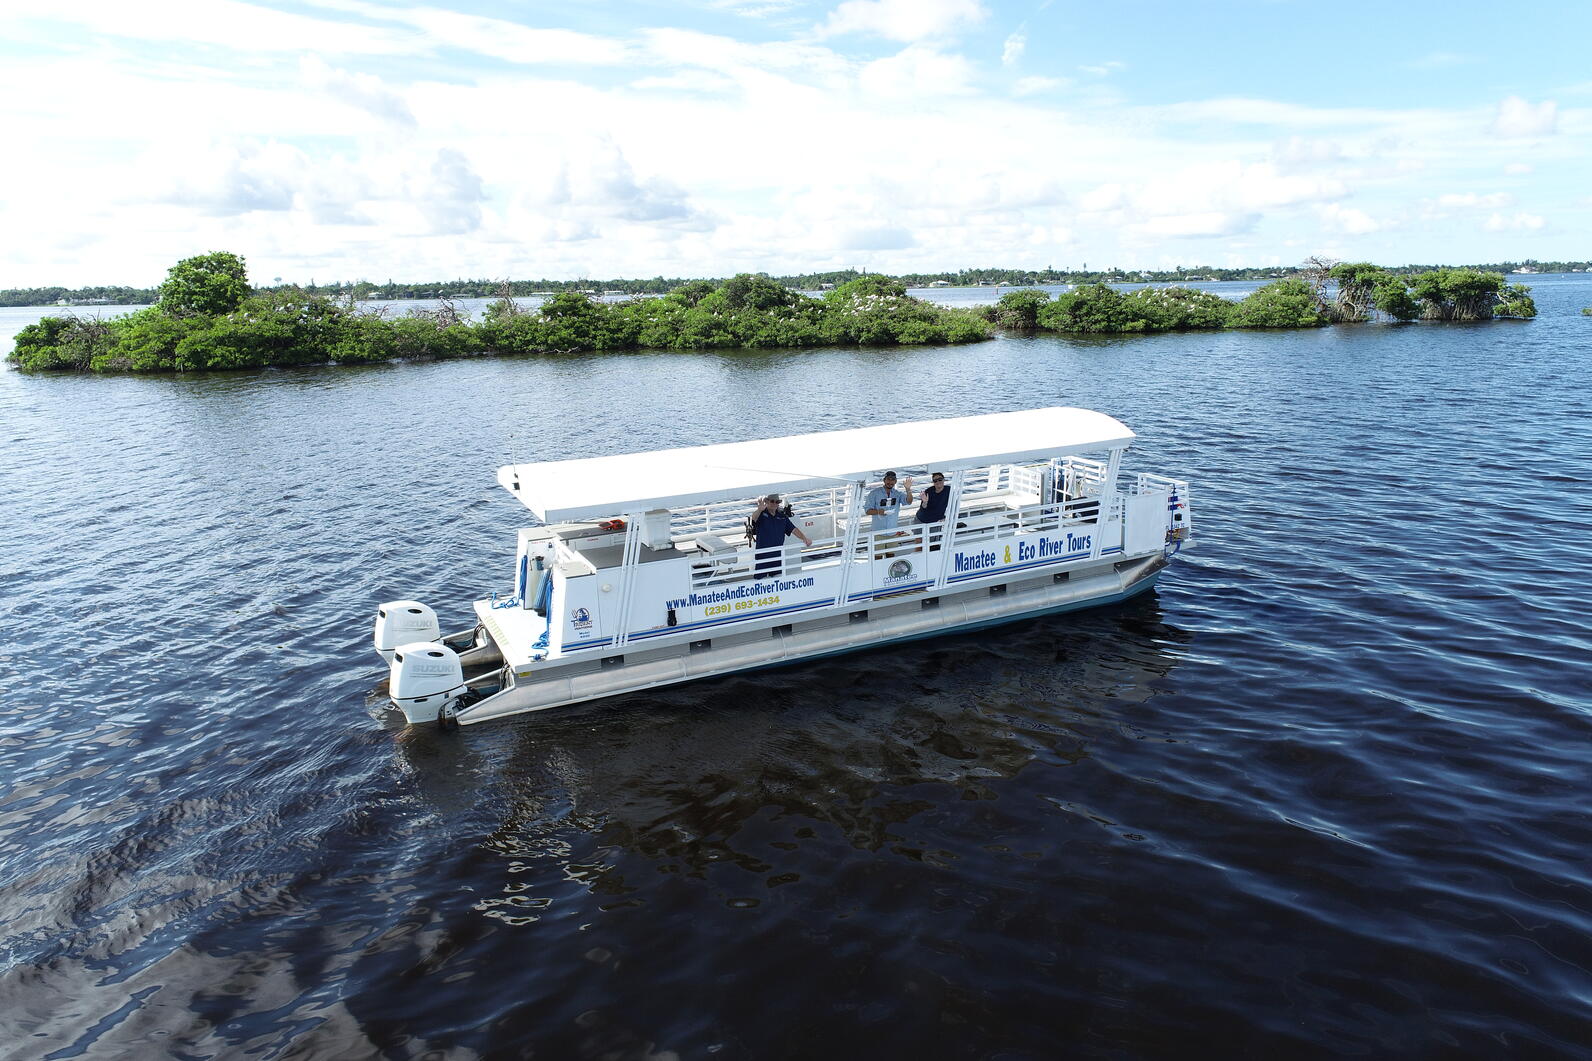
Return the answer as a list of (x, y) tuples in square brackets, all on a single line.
[(1245, 110), (593, 181), (700, 81), (1104, 69), (451, 195), (1517, 169), (750, 64), (499, 38), (1348, 220), (1520, 222), (1203, 200), (514, 42), (1105, 197), (1035, 86), (365, 91), (1516, 118), (1013, 49), (1471, 199), (876, 238), (1234, 186), (916, 71), (755, 8), (1300, 152), (222, 180), (228, 24), (903, 20), (1186, 226)]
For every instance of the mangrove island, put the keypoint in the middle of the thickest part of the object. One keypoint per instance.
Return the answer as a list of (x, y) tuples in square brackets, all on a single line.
[(207, 316)]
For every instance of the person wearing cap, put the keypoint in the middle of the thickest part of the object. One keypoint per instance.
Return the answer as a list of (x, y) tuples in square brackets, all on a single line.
[(771, 525), (884, 503)]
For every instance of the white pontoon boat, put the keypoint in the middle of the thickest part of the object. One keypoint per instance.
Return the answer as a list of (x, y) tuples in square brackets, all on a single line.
[(642, 574)]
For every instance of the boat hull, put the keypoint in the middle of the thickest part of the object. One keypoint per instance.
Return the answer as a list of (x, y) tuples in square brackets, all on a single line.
[(887, 621)]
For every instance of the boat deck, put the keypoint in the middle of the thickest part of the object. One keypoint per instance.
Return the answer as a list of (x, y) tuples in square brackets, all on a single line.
[(514, 629)]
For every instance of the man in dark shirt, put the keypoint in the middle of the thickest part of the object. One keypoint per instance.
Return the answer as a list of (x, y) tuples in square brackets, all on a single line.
[(771, 525), (931, 506)]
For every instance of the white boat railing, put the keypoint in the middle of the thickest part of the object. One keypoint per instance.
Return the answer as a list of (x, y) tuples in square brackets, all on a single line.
[(1074, 476), (982, 519), (728, 518), (739, 565), (995, 502), (1146, 483)]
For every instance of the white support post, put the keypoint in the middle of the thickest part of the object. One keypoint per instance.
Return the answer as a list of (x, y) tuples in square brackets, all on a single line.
[(627, 577), (848, 547), (1109, 506)]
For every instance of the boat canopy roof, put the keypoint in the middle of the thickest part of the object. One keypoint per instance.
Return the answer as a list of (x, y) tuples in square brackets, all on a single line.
[(594, 487)]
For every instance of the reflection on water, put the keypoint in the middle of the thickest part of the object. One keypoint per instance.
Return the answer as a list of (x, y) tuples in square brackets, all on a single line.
[(675, 776)]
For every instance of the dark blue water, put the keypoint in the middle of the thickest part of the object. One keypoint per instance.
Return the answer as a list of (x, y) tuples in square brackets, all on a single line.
[(1324, 792)]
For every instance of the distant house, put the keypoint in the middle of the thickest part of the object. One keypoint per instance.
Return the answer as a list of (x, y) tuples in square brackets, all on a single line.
[(939, 283)]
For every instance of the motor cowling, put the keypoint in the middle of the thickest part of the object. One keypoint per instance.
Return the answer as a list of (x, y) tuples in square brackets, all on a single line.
[(402, 622), (424, 676)]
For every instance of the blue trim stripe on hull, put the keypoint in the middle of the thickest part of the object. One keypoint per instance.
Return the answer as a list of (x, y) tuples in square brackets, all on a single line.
[(852, 599)]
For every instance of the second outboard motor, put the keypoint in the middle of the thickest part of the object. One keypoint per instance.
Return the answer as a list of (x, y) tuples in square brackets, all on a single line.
[(424, 676), (403, 621)]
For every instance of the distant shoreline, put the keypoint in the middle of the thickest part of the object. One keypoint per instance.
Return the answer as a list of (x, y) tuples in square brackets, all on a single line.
[(95, 297)]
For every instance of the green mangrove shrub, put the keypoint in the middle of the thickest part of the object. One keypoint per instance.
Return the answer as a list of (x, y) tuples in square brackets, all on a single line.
[(1280, 304), (1366, 290), (1089, 308), (1175, 309), (1470, 295), (1096, 308), (1017, 311), (206, 284)]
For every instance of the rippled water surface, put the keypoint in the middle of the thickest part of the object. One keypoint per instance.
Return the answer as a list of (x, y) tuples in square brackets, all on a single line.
[(1324, 792)]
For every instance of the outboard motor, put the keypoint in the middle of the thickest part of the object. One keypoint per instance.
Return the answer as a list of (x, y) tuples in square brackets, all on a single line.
[(424, 676), (402, 622)]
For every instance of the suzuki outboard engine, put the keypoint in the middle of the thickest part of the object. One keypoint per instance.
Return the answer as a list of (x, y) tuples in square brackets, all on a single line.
[(402, 622), (424, 676)]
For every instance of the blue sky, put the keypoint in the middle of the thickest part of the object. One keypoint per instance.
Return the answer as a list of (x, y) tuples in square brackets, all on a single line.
[(357, 139)]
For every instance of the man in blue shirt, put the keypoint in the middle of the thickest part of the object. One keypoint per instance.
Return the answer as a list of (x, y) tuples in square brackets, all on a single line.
[(771, 525), (884, 503)]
